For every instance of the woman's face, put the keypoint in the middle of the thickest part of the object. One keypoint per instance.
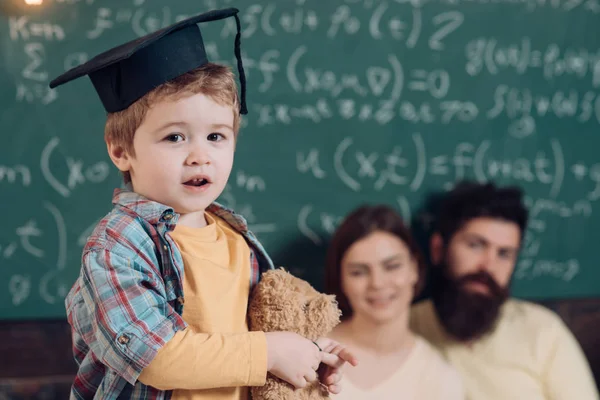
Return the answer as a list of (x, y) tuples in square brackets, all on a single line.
[(378, 276)]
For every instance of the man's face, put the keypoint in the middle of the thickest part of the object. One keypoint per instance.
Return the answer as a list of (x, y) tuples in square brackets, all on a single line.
[(472, 275), (484, 245)]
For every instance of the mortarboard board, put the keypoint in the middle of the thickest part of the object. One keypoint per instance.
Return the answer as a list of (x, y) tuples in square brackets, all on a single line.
[(127, 72)]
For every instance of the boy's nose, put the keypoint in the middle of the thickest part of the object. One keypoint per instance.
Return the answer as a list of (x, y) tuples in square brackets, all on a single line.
[(197, 156)]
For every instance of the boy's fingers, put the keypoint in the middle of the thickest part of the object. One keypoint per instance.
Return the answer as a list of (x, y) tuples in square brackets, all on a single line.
[(311, 376), (342, 354), (334, 378), (332, 360), (333, 347), (349, 357), (298, 383), (326, 344), (335, 389)]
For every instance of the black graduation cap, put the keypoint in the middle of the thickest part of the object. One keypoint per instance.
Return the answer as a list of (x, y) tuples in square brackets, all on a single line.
[(126, 73)]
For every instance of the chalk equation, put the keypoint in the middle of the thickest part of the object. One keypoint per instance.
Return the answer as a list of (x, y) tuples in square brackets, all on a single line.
[(29, 238), (406, 166), (486, 54), (62, 173)]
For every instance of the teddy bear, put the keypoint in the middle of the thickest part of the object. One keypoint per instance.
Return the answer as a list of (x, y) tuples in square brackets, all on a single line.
[(283, 302)]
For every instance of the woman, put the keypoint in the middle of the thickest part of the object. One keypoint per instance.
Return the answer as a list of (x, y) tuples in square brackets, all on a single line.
[(375, 269)]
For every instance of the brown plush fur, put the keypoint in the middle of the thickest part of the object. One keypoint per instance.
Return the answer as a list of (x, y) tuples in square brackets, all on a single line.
[(283, 302)]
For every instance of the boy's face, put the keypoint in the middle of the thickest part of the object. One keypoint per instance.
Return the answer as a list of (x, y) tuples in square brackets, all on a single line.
[(183, 155)]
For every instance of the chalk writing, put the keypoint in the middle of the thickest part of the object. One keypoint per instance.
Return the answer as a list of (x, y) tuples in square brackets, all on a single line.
[(352, 166), (77, 173), (15, 174), (22, 28), (378, 101), (228, 199), (486, 53)]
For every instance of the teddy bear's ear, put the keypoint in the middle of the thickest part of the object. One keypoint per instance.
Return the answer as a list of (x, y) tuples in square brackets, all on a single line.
[(275, 305), (275, 282), (322, 315)]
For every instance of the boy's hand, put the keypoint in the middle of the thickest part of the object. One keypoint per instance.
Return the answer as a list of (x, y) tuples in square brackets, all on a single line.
[(292, 358), (334, 356)]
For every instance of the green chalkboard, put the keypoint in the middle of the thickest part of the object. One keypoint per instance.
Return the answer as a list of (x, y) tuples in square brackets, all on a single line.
[(350, 101)]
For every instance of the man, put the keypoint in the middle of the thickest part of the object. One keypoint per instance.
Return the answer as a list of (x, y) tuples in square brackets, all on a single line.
[(503, 348)]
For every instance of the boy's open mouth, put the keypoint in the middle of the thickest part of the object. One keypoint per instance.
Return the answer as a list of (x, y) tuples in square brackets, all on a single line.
[(196, 182)]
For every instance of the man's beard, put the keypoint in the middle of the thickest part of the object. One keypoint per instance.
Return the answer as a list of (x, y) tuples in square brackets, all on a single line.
[(464, 314)]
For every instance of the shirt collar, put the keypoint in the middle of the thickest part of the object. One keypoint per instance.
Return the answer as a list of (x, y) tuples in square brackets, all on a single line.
[(149, 210), (156, 213)]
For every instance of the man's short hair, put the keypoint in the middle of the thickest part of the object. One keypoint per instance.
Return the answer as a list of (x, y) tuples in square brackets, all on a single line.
[(469, 200)]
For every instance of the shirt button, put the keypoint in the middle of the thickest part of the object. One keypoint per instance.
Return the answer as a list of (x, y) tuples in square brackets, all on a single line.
[(165, 247), (180, 300), (168, 216), (123, 339)]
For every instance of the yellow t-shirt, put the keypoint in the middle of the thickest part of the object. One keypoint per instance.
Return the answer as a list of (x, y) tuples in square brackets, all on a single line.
[(531, 355), (215, 357)]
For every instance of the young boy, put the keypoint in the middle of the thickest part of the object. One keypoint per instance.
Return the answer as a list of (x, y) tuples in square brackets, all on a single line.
[(159, 309)]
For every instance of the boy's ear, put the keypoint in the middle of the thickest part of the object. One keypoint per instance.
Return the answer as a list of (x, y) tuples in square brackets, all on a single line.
[(119, 156)]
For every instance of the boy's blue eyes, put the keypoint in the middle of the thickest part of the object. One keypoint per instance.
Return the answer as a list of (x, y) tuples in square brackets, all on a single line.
[(177, 137)]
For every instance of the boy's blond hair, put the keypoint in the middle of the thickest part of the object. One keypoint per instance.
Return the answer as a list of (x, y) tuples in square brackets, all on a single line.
[(213, 80)]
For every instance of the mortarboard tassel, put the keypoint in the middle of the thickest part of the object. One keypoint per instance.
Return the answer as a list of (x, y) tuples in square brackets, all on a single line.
[(238, 55)]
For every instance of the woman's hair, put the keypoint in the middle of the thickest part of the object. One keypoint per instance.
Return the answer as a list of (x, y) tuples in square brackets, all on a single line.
[(357, 225)]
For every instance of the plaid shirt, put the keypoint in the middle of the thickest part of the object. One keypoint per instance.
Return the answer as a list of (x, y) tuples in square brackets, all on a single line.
[(128, 300)]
